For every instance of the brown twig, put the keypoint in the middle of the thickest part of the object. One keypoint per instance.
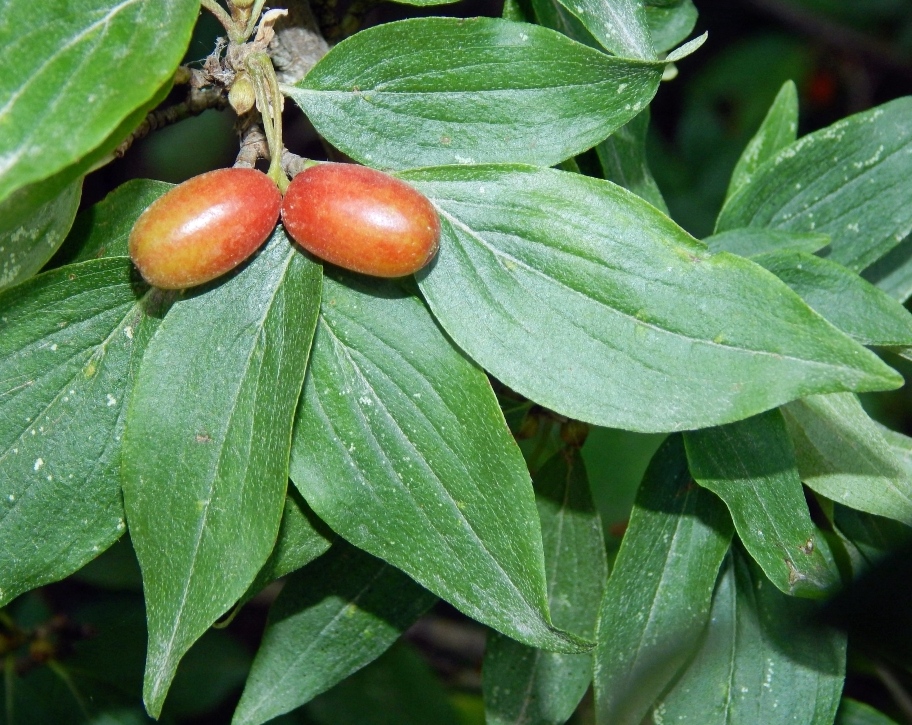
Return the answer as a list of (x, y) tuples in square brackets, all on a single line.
[(253, 147)]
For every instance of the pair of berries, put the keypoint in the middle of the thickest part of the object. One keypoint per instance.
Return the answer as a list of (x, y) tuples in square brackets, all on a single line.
[(349, 215)]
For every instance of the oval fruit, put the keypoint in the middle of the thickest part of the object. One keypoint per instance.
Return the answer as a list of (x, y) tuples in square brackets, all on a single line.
[(361, 219), (204, 227)]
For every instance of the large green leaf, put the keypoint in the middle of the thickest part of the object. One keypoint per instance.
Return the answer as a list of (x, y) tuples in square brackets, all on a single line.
[(401, 448), (332, 618), (623, 159), (50, 203), (843, 455), (659, 595), (588, 300), (778, 130), (851, 180), (71, 341), (69, 75), (32, 239), (855, 306), (527, 685), (763, 660), (432, 91), (751, 466), (619, 25), (207, 443)]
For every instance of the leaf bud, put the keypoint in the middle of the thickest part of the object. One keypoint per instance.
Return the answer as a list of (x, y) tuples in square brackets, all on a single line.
[(242, 95)]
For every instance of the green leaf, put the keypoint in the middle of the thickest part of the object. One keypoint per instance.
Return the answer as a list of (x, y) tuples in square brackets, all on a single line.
[(901, 446), (523, 684), (31, 201), (623, 159), (398, 689), (749, 242), (843, 455), (763, 660), (401, 448), (31, 240), (855, 306), (751, 466), (670, 22), (72, 340), (619, 25), (103, 229), (778, 130), (852, 712), (584, 298), (852, 180), (432, 91), (659, 594), (207, 443), (893, 272), (62, 99), (332, 618), (552, 14), (302, 538), (870, 537)]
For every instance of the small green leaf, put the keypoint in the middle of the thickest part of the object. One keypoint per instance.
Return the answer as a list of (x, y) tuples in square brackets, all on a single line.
[(207, 443), (401, 448), (332, 618), (689, 48), (751, 466), (586, 299), (855, 306), (669, 22), (893, 272), (852, 712), (763, 660), (61, 98), (527, 685), (659, 595), (432, 91), (852, 180), (552, 14), (901, 446), (870, 537), (843, 455), (104, 228), (748, 242), (31, 240), (619, 25), (72, 340), (623, 159), (778, 130), (302, 538)]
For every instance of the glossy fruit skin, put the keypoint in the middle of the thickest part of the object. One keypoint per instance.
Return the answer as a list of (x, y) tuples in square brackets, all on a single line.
[(204, 227), (361, 219)]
